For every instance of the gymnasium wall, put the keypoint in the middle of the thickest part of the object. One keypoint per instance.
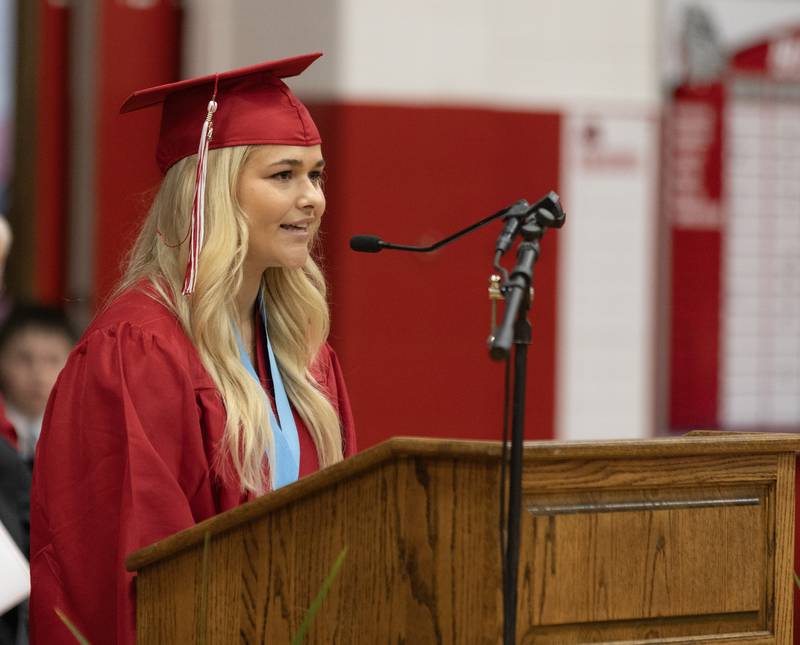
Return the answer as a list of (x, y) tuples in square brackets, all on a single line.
[(435, 115)]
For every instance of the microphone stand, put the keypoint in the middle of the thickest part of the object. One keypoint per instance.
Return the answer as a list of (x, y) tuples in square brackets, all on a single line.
[(516, 329), (529, 222)]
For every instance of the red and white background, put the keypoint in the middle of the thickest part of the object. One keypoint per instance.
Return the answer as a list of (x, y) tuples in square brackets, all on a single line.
[(732, 204), (435, 116), (671, 129), (670, 299)]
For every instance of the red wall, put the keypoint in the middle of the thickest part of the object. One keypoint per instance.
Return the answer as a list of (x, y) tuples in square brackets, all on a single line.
[(137, 48), (50, 198), (696, 288), (411, 330)]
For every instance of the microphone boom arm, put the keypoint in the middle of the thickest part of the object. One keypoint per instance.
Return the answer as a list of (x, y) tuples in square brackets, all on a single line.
[(427, 249), (547, 211)]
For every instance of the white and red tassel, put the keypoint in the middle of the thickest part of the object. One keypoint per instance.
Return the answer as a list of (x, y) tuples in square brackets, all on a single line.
[(198, 220)]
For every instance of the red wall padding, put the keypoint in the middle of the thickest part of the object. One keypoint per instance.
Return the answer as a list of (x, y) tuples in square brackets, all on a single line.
[(52, 125), (696, 288), (695, 319), (411, 329)]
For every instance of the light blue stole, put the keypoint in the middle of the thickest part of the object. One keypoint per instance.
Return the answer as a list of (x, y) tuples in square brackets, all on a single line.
[(285, 463)]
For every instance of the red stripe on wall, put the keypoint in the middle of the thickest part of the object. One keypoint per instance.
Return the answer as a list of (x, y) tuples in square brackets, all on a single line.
[(52, 126), (695, 213), (411, 329), (694, 366), (137, 48)]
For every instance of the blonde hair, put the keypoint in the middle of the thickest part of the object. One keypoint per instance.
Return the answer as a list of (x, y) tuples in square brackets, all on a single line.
[(295, 300)]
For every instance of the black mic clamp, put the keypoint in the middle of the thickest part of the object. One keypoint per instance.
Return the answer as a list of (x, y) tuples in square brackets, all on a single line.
[(548, 212), (513, 218)]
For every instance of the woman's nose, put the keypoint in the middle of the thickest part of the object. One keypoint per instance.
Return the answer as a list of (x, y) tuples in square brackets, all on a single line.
[(311, 196)]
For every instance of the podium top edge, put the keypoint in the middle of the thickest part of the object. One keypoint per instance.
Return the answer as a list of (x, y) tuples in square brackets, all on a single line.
[(696, 443)]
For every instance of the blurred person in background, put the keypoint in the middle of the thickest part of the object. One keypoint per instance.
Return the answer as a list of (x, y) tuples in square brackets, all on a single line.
[(15, 481), (35, 341)]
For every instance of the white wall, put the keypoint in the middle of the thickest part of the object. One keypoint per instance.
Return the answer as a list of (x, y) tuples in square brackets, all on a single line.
[(514, 52), (221, 35), (507, 52), (607, 272)]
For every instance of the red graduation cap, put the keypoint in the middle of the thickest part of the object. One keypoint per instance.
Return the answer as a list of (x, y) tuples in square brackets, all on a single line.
[(246, 106), (254, 106)]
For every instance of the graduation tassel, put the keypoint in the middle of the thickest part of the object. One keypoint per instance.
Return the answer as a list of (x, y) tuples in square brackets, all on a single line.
[(198, 203)]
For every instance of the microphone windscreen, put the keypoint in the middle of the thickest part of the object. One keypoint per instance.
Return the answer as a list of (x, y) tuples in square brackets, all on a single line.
[(366, 243)]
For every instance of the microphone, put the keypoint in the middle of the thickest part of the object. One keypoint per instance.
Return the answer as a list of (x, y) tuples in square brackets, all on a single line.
[(373, 244), (366, 243)]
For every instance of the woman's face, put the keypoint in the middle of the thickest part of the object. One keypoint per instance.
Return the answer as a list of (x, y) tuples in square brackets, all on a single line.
[(280, 190)]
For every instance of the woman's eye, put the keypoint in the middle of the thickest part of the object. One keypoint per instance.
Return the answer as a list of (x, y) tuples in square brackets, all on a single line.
[(284, 175), (316, 177)]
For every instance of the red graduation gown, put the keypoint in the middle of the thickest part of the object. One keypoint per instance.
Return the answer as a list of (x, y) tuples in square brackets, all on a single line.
[(127, 457)]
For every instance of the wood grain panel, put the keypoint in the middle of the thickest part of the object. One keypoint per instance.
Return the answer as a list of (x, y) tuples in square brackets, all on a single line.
[(425, 527), (640, 549), (537, 455), (783, 533), (648, 472), (615, 566), (740, 629)]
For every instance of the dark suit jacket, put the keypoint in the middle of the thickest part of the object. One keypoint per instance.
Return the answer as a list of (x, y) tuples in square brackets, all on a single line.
[(15, 485)]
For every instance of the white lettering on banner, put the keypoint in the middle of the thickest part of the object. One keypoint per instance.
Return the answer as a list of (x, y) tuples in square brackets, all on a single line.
[(691, 213), (598, 155), (692, 135), (783, 57)]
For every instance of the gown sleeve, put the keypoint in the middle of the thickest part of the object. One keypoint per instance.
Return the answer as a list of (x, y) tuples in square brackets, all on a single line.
[(120, 464), (329, 373)]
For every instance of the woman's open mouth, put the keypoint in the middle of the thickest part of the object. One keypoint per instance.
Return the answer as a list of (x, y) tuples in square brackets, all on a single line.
[(295, 228)]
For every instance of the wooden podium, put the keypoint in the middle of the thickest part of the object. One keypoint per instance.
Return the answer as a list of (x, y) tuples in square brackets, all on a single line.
[(686, 540)]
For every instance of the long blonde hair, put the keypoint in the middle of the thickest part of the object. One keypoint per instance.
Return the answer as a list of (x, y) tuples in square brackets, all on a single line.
[(295, 300)]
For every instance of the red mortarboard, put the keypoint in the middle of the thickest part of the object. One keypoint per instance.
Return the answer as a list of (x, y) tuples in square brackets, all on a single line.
[(246, 106), (255, 107)]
